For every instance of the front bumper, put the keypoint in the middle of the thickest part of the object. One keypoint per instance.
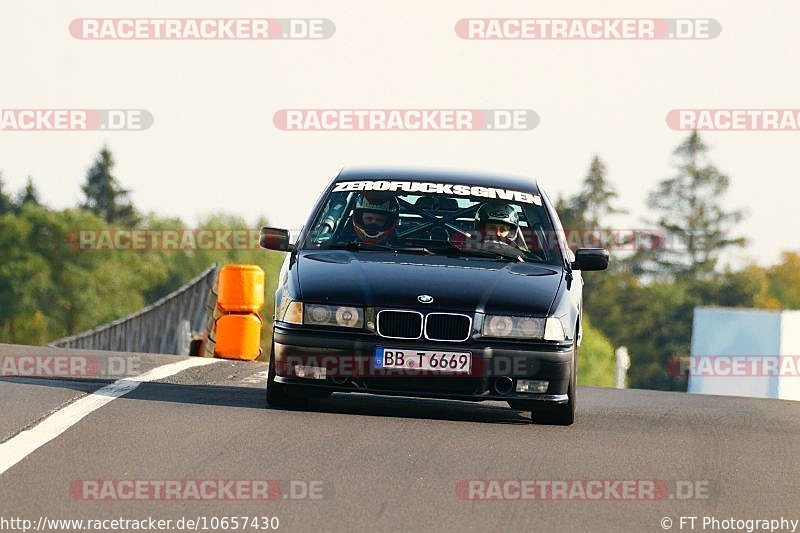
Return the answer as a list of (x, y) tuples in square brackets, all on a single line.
[(348, 359)]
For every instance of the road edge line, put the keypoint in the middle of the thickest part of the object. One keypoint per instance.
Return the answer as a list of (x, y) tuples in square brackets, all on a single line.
[(26, 442)]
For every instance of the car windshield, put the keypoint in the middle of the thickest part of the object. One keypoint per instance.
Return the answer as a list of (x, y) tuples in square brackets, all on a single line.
[(461, 221)]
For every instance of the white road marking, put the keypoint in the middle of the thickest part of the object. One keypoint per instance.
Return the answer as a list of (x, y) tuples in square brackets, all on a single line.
[(26, 442), (257, 378)]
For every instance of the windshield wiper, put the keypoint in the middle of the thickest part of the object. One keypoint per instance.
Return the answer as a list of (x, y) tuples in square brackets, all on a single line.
[(487, 253), (359, 245), (441, 246), (356, 246)]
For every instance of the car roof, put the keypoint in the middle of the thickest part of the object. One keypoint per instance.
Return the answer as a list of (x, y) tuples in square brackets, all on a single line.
[(439, 175)]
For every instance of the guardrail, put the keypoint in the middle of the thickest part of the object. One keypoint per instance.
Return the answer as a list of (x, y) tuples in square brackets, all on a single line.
[(165, 326)]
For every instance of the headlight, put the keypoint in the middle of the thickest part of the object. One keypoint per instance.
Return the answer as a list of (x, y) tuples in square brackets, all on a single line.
[(333, 315), (521, 327), (515, 327)]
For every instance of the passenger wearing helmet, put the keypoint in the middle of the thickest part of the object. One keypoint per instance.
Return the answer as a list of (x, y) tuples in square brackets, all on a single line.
[(499, 222), (375, 216)]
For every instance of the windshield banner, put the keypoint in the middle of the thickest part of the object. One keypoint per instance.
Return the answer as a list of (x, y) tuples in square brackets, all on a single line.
[(439, 188)]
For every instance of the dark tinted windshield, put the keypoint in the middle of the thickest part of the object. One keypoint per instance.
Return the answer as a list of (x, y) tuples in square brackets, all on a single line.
[(416, 217)]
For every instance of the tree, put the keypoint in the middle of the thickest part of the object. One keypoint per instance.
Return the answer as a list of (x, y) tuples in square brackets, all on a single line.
[(592, 204), (29, 195), (589, 209), (594, 201), (6, 205), (104, 196), (695, 225)]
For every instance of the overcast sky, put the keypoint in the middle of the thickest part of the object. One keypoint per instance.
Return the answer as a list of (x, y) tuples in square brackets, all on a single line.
[(213, 145)]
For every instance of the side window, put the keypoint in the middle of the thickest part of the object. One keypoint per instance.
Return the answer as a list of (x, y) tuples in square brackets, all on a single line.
[(329, 218)]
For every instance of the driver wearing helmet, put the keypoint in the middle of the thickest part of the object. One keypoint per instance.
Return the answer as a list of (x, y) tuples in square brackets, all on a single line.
[(375, 216), (499, 222)]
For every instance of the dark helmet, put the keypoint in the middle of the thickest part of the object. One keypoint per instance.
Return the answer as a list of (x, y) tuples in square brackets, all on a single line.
[(498, 213), (379, 204)]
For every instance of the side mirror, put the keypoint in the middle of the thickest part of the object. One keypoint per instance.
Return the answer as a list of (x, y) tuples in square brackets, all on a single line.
[(275, 239), (590, 259)]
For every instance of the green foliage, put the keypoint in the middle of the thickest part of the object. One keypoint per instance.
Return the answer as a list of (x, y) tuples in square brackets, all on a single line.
[(6, 205), (596, 361), (783, 283), (49, 288)]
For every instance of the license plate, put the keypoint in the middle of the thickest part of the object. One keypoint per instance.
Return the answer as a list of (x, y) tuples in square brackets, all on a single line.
[(427, 360)]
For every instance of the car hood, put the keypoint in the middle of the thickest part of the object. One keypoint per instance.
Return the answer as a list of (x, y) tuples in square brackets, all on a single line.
[(381, 279)]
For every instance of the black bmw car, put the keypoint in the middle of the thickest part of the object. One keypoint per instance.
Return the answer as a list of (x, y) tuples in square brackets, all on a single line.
[(439, 284)]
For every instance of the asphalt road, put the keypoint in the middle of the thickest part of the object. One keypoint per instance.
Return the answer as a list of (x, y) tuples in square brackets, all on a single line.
[(393, 464)]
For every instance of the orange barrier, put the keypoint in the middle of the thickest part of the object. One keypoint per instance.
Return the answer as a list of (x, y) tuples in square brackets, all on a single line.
[(238, 336), (241, 289), (234, 325)]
